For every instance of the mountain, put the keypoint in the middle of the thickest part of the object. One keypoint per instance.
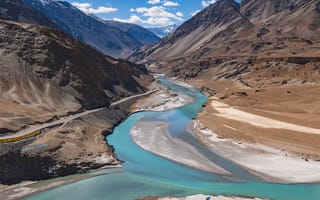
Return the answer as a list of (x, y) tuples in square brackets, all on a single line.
[(163, 31), (46, 75), (290, 17), (236, 41), (140, 34), (107, 39), (46, 71), (18, 11), (259, 58)]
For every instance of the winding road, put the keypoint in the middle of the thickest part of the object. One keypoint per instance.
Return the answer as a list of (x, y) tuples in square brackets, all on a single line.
[(37, 129)]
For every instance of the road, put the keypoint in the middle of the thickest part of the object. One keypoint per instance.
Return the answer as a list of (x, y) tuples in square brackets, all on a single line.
[(23, 134)]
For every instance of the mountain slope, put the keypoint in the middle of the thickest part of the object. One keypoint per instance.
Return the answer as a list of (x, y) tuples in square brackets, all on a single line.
[(18, 11), (140, 34), (300, 18), (212, 27), (45, 75), (109, 40), (248, 35), (45, 72)]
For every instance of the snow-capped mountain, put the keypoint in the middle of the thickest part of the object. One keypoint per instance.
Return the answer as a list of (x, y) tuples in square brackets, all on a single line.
[(163, 31)]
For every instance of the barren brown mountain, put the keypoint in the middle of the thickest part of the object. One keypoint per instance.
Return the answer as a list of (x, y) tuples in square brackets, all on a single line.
[(46, 74), (261, 56)]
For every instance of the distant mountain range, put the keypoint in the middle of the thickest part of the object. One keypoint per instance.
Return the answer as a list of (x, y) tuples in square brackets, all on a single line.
[(108, 39), (163, 31), (142, 35), (17, 10)]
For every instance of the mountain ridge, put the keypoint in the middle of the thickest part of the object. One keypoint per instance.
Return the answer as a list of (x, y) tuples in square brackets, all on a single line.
[(16, 10), (142, 35), (45, 70), (226, 31)]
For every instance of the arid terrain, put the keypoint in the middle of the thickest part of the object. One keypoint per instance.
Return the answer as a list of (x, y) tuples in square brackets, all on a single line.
[(257, 61), (47, 75), (295, 104), (259, 57)]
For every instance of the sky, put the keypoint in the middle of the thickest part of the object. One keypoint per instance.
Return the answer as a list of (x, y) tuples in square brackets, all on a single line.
[(147, 13)]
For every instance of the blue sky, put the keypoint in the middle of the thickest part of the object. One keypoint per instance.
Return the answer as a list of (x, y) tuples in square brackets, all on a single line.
[(148, 13)]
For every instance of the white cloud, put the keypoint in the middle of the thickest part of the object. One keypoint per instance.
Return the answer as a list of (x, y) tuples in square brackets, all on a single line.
[(159, 11), (171, 3), (194, 12), (207, 2), (87, 8), (179, 14), (142, 10), (153, 2), (153, 16), (133, 19), (81, 5), (102, 9), (159, 21), (151, 21)]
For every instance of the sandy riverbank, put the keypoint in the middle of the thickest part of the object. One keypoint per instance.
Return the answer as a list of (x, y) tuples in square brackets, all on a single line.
[(283, 117), (201, 197), (154, 137), (274, 165), (270, 163), (233, 113), (161, 100)]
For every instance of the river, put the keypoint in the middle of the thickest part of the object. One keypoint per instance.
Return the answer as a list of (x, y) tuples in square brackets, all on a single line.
[(146, 174)]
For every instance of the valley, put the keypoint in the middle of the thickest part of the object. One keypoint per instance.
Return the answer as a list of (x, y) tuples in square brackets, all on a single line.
[(156, 175), (223, 106)]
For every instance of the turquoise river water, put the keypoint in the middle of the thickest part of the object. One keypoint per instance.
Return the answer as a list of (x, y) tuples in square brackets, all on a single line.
[(146, 174)]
